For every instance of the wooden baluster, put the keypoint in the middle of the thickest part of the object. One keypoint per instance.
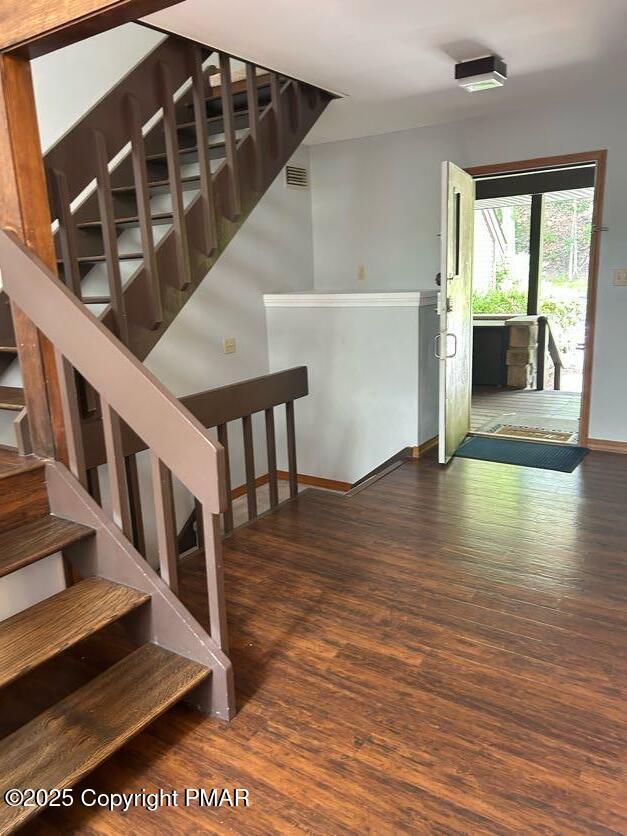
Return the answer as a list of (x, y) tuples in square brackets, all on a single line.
[(299, 94), (223, 438), (252, 96), (87, 396), (109, 237), (120, 506), (249, 460), (557, 360), (165, 518), (144, 212), (215, 579), (67, 231), (22, 433), (93, 485), (271, 445), (228, 117), (541, 353), (137, 519), (71, 418), (183, 277), (200, 538), (199, 86), (277, 109), (291, 448)]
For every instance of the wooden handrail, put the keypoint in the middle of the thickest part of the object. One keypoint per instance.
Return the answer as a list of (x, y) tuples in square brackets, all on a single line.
[(228, 403), (138, 398), (213, 408)]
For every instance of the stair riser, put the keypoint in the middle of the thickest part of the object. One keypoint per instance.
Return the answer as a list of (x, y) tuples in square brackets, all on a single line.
[(23, 497)]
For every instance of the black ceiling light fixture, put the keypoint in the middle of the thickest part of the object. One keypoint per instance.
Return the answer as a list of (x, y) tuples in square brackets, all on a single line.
[(481, 73)]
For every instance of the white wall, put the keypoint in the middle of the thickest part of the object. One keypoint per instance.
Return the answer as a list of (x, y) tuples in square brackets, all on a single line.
[(272, 252), (372, 390), (376, 202)]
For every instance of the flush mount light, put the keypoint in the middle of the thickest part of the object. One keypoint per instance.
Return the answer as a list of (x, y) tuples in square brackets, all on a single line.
[(481, 73)]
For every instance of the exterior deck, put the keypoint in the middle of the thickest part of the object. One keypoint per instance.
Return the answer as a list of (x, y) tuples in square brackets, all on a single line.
[(442, 652), (547, 408)]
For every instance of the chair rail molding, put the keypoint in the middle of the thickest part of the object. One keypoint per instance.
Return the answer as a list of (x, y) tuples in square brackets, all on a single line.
[(374, 299)]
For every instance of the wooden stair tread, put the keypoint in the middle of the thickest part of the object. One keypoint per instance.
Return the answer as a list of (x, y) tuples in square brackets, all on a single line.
[(12, 463), (27, 543), (93, 259), (152, 184), (12, 397), (8, 349), (211, 120), (190, 149), (48, 628), (67, 741), (127, 219)]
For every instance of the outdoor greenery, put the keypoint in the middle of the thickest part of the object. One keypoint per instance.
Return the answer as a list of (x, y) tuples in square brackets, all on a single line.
[(567, 227), (566, 239), (563, 314)]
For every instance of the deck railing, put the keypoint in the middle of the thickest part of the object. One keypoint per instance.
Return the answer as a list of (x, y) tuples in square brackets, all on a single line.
[(547, 344)]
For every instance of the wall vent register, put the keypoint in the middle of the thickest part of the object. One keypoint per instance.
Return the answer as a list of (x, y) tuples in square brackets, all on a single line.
[(296, 177)]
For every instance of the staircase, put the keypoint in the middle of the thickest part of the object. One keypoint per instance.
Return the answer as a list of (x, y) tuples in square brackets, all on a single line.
[(181, 150), (59, 746), (181, 186)]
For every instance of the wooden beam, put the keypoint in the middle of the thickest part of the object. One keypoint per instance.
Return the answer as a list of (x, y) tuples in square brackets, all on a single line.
[(41, 26), (24, 210), (536, 227)]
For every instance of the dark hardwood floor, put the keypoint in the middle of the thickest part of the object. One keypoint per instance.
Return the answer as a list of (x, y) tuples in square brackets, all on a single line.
[(444, 652)]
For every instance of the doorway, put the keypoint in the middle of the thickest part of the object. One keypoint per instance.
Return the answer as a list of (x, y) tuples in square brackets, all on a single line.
[(536, 245)]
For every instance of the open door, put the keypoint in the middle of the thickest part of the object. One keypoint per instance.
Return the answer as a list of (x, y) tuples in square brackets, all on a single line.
[(454, 342)]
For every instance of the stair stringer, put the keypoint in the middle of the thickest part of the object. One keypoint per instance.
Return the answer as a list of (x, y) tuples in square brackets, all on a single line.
[(166, 621), (302, 105)]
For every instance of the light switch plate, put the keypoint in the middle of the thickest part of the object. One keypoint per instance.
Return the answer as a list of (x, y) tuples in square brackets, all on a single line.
[(620, 277), (229, 345)]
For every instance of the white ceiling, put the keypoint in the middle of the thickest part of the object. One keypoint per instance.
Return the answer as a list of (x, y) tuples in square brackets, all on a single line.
[(393, 60)]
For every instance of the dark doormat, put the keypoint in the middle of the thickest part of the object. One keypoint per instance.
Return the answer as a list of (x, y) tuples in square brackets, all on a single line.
[(524, 453)]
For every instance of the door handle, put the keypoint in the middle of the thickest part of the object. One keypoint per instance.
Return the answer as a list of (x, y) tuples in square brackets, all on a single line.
[(438, 342)]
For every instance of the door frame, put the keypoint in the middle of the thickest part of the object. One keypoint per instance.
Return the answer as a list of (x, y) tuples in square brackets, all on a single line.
[(599, 158)]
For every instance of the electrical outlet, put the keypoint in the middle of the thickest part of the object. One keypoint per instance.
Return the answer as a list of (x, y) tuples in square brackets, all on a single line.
[(229, 345), (620, 277), (361, 272)]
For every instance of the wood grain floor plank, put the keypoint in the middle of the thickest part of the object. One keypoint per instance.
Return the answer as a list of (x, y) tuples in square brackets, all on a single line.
[(441, 653)]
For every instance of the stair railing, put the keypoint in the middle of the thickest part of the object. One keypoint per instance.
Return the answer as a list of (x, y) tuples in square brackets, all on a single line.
[(218, 409), (129, 396), (546, 343), (115, 142)]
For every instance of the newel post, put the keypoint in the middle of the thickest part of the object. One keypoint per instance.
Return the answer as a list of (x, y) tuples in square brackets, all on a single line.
[(24, 209)]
